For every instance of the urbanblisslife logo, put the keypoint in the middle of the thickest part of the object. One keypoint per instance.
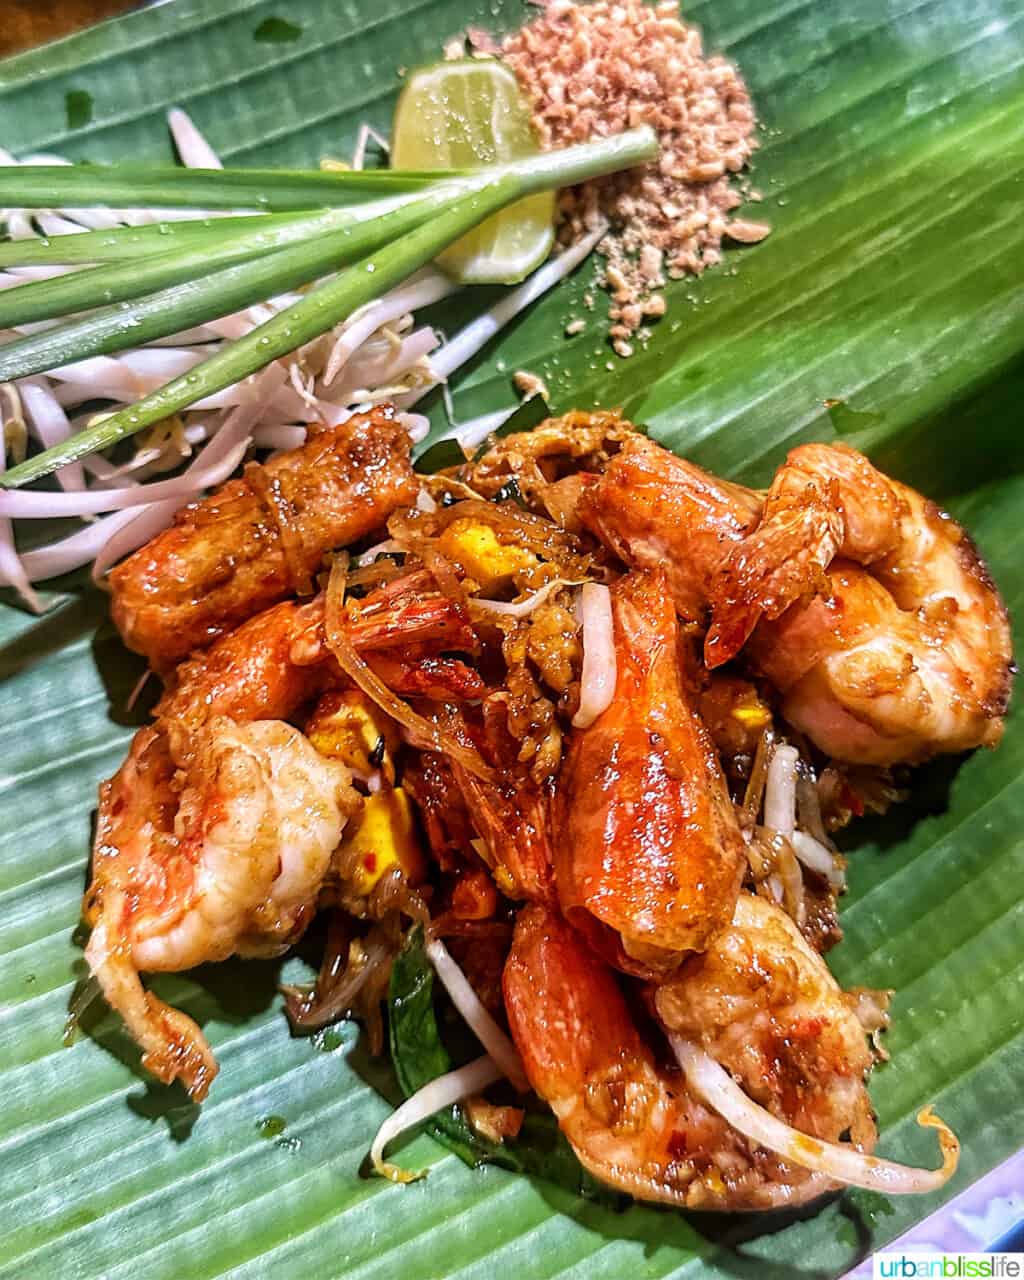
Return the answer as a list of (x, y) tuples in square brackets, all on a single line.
[(896, 1265)]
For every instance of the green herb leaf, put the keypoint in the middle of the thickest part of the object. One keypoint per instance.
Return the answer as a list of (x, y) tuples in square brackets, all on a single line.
[(277, 31), (195, 301), (419, 1056), (447, 452), (321, 309), (225, 291)]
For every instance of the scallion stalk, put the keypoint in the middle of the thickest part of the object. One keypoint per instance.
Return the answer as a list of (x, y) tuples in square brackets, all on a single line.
[(126, 186), (129, 244), (350, 238), (132, 186), (320, 310), (195, 301)]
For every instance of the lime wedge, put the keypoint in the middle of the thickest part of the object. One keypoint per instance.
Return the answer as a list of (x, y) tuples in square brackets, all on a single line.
[(459, 114)]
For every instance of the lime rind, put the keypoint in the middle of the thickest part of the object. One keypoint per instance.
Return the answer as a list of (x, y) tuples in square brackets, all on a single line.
[(462, 113)]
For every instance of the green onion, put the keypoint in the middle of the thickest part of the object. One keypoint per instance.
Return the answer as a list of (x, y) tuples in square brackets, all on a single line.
[(350, 238), (129, 244), (41, 186), (131, 186), (320, 310), (465, 204), (195, 301)]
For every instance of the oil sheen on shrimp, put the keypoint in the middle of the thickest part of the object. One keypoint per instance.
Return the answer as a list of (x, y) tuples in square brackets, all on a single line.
[(649, 856), (658, 511)]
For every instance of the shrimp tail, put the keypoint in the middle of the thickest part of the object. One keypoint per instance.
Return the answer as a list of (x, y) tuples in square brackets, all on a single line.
[(173, 1046)]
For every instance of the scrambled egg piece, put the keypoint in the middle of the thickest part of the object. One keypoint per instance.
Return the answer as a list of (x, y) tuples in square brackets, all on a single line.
[(475, 548), (382, 836), (347, 726)]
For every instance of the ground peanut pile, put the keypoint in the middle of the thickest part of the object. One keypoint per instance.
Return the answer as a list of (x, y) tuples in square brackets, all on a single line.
[(600, 68)]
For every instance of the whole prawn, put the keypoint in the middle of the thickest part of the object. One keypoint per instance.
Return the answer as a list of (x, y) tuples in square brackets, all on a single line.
[(867, 606), (649, 855), (763, 1033), (903, 650), (633, 1122), (217, 832)]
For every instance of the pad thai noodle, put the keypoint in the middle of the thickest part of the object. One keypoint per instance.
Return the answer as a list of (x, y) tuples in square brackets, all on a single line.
[(581, 721)]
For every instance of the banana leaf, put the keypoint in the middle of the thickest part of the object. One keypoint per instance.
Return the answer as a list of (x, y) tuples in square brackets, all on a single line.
[(886, 308)]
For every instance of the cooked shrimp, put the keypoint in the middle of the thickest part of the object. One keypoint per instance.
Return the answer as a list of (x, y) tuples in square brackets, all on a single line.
[(657, 511), (216, 833), (867, 606), (509, 812), (280, 659), (650, 856), (229, 858), (259, 538), (764, 1005), (632, 1123), (898, 660)]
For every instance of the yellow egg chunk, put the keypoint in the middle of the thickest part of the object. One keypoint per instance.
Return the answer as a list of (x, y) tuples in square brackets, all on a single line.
[(348, 727), (475, 549), (752, 713), (382, 836)]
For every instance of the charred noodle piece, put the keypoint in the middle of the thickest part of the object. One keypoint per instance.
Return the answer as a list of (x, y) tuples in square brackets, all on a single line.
[(260, 538), (649, 856), (632, 1124), (537, 458), (655, 510)]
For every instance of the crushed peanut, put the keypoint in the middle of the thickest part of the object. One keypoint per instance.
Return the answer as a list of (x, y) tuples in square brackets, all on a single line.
[(744, 231), (598, 69), (529, 384)]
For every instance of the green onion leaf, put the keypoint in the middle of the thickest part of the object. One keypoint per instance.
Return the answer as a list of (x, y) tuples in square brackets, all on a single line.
[(126, 186), (122, 244), (320, 310), (196, 301), (350, 238), (133, 186)]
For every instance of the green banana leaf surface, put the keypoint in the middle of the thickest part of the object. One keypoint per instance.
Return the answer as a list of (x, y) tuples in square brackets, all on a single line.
[(886, 308)]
